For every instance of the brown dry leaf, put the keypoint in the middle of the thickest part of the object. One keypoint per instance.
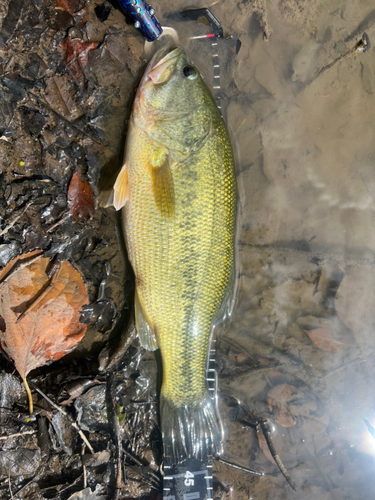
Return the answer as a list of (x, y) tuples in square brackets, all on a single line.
[(51, 326), (278, 399), (80, 199), (328, 334), (64, 4), (324, 340), (76, 55), (70, 6), (61, 99), (126, 50)]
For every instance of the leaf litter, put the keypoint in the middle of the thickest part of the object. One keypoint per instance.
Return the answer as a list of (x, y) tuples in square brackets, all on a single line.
[(41, 315), (80, 198)]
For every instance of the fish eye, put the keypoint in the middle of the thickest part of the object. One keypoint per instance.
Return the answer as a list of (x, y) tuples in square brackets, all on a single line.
[(190, 72)]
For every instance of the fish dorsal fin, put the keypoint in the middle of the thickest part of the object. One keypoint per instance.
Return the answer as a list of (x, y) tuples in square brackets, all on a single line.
[(121, 188), (145, 331), (162, 185)]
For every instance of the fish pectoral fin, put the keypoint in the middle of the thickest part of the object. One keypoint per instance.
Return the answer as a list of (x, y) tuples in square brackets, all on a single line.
[(145, 331), (121, 188), (162, 185)]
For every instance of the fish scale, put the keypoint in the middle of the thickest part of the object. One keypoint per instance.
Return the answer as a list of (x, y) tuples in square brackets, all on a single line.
[(179, 222)]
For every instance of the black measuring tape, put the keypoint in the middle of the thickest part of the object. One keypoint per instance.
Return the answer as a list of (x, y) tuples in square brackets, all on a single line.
[(192, 479)]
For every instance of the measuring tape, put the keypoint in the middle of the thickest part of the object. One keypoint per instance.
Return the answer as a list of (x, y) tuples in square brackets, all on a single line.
[(192, 479)]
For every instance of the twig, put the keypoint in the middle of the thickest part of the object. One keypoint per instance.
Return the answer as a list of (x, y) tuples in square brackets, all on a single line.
[(240, 467), (61, 221), (71, 124), (116, 431), (73, 424), (84, 467), (9, 226), (10, 486), (267, 435), (141, 466), (261, 423), (25, 433)]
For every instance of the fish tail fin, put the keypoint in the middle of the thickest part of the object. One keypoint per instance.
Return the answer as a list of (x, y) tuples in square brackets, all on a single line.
[(189, 431)]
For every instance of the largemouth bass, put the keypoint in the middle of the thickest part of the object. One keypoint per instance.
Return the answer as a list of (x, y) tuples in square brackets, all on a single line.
[(178, 190)]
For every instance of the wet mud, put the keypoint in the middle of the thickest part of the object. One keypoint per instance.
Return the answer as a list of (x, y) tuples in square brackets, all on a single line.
[(296, 90)]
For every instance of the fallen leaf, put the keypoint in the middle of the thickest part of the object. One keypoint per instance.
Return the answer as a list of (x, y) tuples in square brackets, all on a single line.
[(328, 334), (80, 199), (324, 340), (279, 398), (51, 326), (76, 55), (61, 99), (126, 50), (71, 6), (64, 4)]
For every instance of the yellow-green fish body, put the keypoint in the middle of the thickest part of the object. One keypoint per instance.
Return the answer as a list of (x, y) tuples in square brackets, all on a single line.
[(178, 183)]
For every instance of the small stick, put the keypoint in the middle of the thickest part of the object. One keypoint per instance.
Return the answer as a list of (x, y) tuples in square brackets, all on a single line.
[(61, 221), (141, 466), (73, 424), (10, 487), (16, 219), (262, 423), (43, 103), (240, 467), (25, 433), (116, 431), (84, 468), (267, 435)]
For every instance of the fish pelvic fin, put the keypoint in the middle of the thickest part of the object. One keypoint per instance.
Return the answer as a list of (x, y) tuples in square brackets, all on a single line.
[(105, 199), (189, 431), (145, 331), (121, 188)]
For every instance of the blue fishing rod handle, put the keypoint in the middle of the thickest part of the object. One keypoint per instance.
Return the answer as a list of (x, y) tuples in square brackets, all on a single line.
[(144, 18)]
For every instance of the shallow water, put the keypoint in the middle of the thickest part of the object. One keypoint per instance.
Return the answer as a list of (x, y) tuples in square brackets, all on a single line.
[(299, 350)]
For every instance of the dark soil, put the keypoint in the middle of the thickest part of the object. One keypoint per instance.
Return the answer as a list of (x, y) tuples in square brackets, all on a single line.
[(64, 107)]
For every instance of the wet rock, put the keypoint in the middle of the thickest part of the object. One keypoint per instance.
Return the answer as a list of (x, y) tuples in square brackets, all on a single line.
[(92, 410), (97, 459), (66, 434), (12, 391), (9, 251)]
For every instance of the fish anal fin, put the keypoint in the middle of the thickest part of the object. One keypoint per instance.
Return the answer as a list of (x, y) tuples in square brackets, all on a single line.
[(144, 329), (162, 185), (121, 188)]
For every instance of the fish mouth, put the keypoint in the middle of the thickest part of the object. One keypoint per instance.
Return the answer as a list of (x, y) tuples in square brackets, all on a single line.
[(158, 72), (163, 69), (162, 65)]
